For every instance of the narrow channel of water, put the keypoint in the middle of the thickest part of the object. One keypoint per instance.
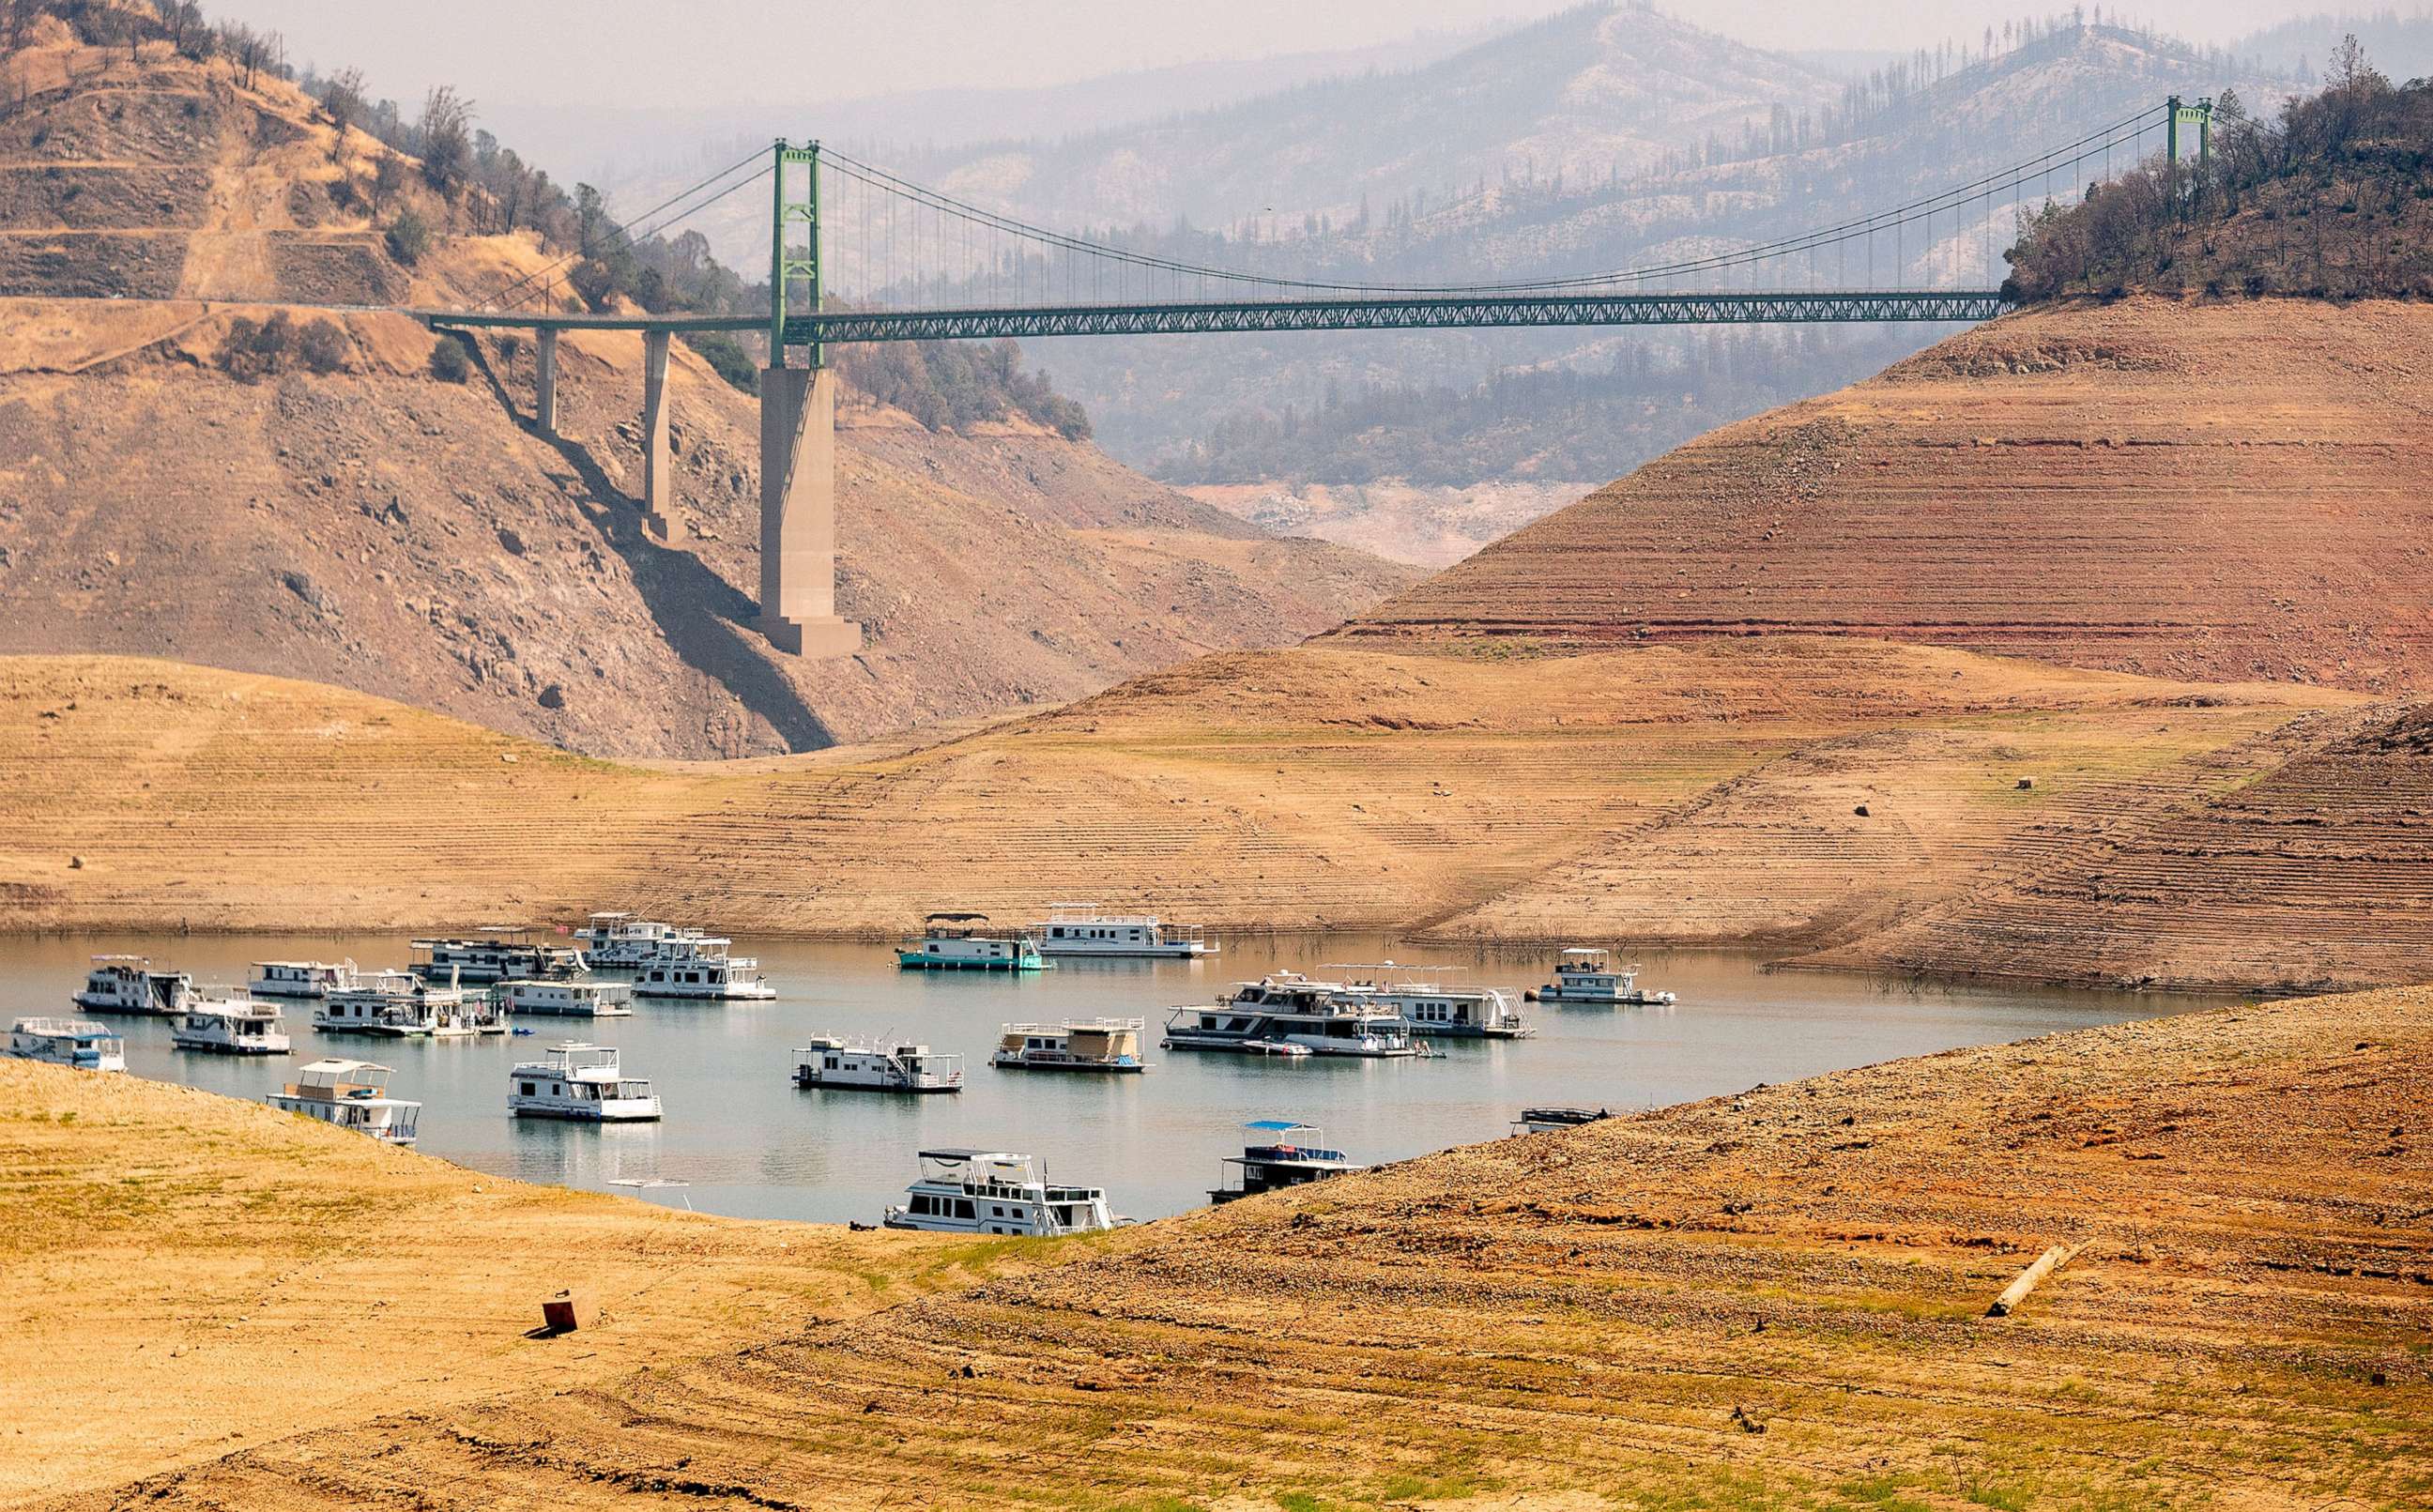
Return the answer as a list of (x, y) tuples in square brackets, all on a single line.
[(744, 1141)]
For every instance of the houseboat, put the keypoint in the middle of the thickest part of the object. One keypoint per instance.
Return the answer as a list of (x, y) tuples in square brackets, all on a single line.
[(1281, 1153), (1585, 975), (579, 999), (495, 954), (972, 1191), (231, 1026), (1431, 1008), (400, 1005), (1286, 1008), (1082, 929), (66, 1042), (1076, 1045), (583, 1083), (622, 941), (128, 984), (833, 1062), (699, 966), (314, 979), (352, 1094), (959, 941), (1555, 1120)]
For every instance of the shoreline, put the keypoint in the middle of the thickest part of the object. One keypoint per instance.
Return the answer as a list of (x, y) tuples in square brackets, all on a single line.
[(1609, 1310)]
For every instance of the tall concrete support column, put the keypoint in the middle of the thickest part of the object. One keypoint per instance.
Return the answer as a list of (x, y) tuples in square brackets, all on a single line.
[(798, 513), (659, 499), (545, 383)]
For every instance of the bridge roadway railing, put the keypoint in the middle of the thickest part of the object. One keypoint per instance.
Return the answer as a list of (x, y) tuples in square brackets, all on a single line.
[(1367, 312)]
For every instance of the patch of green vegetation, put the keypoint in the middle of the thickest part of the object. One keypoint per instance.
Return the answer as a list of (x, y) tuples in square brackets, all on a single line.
[(1881, 1491)]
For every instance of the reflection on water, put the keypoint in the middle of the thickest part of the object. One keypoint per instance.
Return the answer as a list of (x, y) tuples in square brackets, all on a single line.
[(745, 1140)]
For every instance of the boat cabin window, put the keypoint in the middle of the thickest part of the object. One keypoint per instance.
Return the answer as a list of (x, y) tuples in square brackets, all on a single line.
[(529, 1089), (965, 1209)]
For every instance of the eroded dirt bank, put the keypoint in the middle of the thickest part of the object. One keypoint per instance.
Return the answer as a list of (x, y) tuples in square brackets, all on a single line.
[(1786, 792), (1775, 1299)]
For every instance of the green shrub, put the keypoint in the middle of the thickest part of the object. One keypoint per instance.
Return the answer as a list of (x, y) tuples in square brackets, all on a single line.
[(252, 350), (409, 237), (449, 362), (729, 356), (322, 347)]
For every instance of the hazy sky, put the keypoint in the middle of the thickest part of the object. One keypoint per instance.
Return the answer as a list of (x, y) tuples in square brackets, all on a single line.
[(729, 52)]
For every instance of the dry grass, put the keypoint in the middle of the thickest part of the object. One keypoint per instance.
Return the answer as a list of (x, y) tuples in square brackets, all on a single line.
[(1772, 1301), (1676, 793), (189, 1275)]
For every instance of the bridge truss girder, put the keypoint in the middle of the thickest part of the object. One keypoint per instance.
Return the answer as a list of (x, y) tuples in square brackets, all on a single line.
[(1418, 313)]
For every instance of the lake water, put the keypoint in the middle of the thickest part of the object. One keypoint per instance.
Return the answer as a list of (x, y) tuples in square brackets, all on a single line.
[(744, 1141)]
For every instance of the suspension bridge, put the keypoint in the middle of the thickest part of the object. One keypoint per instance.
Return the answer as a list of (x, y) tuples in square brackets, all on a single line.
[(904, 262)]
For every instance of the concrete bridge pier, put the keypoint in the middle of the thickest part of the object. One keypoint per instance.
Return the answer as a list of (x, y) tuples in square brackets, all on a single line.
[(545, 381), (798, 513), (658, 497)]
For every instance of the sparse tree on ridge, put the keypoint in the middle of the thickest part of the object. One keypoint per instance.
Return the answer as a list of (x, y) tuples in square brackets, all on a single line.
[(446, 138), (344, 100)]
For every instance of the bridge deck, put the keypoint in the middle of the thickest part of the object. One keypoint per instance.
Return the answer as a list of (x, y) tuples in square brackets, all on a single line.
[(1413, 313)]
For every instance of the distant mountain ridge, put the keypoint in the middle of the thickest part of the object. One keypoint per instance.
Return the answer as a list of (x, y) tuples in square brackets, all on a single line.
[(1596, 90)]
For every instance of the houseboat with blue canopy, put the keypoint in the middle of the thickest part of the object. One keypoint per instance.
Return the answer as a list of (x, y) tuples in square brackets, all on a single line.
[(1282, 1153)]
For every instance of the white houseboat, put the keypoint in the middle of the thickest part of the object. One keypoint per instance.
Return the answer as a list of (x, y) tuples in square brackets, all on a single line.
[(128, 984), (1281, 1153), (231, 1026), (699, 966), (300, 978), (578, 999), (1082, 929), (400, 1005), (1586, 975), (961, 942), (67, 1042), (580, 1082), (1432, 1008), (1286, 1008), (619, 942), (1076, 1045), (496, 953), (973, 1190), (833, 1062), (352, 1094)]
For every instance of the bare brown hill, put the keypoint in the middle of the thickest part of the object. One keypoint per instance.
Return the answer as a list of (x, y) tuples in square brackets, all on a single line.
[(2204, 491), (376, 528), (1700, 792), (1776, 1300), (2314, 874)]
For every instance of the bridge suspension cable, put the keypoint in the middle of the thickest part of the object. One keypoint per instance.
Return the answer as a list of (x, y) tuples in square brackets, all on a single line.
[(517, 291), (1003, 271)]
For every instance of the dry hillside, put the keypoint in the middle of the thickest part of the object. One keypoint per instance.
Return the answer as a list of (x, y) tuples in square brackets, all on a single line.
[(155, 1318), (1691, 793), (2208, 491), (1771, 1301), (376, 528), (2339, 836)]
